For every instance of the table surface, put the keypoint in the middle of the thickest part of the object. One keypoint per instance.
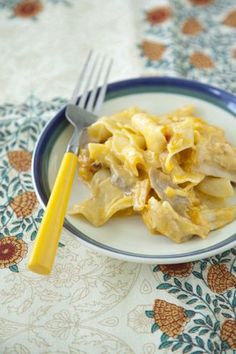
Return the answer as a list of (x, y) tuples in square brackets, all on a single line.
[(92, 303)]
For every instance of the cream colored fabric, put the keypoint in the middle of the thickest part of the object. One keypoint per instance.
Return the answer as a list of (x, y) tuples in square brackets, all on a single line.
[(91, 303), (45, 55)]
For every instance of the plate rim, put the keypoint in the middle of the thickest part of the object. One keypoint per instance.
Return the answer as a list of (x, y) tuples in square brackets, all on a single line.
[(226, 97)]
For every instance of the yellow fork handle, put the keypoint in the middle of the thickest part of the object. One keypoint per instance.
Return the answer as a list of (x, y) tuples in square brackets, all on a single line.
[(46, 243)]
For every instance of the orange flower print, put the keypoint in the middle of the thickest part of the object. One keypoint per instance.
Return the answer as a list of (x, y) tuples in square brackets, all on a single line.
[(20, 160), (228, 333), (153, 50), (169, 317), (158, 15), (201, 61), (12, 251), (201, 2), (24, 204), (191, 27), (230, 19), (28, 8), (220, 279), (178, 270)]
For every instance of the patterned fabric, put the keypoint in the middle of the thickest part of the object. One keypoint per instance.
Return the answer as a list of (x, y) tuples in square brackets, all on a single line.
[(19, 209), (27, 9), (206, 294), (92, 303), (191, 38)]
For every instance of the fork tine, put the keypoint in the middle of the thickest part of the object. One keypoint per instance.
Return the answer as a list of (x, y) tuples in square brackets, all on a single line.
[(85, 94), (93, 94), (80, 79), (102, 91)]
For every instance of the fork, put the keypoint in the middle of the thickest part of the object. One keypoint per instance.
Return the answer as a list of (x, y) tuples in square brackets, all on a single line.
[(80, 113)]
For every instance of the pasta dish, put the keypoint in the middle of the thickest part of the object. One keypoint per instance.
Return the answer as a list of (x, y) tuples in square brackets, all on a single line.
[(174, 170)]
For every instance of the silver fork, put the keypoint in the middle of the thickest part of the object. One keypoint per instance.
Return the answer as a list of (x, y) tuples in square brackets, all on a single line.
[(80, 115)]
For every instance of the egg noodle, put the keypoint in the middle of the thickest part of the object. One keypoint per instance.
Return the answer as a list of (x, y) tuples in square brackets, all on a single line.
[(175, 170)]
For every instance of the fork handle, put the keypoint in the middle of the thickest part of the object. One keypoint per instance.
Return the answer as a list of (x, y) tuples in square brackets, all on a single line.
[(46, 243)]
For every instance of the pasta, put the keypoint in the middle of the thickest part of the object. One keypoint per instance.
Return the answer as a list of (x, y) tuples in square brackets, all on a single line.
[(174, 170)]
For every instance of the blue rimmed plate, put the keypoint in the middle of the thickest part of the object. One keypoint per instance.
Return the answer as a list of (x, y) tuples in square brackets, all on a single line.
[(128, 238)]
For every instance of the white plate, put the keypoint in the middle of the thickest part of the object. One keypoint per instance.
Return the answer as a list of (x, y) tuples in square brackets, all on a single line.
[(128, 238)]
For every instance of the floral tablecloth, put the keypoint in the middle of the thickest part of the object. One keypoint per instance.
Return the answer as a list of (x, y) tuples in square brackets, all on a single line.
[(92, 303)]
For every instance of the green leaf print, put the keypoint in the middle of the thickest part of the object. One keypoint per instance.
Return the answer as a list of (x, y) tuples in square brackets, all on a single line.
[(14, 268)]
